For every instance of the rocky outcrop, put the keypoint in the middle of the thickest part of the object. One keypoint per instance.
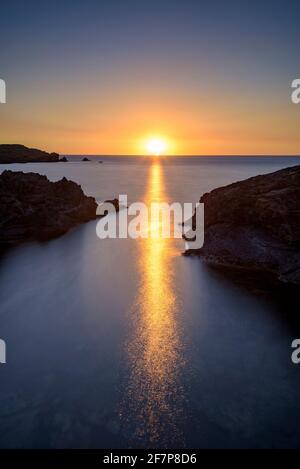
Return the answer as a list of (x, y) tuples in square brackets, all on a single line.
[(254, 225), (33, 208), (64, 159), (85, 159), (22, 154)]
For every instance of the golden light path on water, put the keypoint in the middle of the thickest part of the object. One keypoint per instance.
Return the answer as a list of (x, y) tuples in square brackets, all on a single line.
[(155, 350)]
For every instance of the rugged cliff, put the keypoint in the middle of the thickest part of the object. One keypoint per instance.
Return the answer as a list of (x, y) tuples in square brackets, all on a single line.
[(33, 208), (255, 225)]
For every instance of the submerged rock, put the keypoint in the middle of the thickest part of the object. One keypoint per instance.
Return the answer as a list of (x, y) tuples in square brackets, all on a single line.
[(254, 225), (22, 154), (33, 208)]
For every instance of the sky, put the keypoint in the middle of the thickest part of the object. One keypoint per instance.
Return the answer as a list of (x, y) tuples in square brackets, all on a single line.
[(103, 77)]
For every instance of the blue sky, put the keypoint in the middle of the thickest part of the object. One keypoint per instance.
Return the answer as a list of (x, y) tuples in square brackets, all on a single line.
[(115, 56)]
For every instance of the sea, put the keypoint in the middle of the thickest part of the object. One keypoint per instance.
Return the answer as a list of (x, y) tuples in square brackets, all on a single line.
[(126, 343)]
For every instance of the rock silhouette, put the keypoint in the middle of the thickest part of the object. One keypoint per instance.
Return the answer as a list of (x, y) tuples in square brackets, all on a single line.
[(254, 225), (21, 154), (33, 208)]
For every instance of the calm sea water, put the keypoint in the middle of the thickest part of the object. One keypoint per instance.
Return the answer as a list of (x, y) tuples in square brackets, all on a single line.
[(126, 343)]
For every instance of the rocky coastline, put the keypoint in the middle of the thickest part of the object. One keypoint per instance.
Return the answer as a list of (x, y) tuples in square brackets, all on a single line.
[(33, 208), (254, 226)]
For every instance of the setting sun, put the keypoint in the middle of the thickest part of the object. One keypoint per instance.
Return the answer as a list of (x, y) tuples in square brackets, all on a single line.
[(156, 146)]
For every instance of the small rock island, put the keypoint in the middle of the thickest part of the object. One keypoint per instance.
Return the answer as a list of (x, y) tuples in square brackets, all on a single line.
[(11, 153), (33, 208), (254, 225)]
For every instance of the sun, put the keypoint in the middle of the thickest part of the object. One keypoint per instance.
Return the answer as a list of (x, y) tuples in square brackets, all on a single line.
[(156, 146)]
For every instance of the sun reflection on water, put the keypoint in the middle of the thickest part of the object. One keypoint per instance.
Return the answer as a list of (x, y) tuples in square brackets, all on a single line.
[(155, 349)]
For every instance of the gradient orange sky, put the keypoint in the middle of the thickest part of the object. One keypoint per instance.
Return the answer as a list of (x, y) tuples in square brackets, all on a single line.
[(91, 80)]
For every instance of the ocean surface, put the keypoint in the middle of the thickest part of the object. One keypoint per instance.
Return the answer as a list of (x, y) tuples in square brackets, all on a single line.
[(122, 343)]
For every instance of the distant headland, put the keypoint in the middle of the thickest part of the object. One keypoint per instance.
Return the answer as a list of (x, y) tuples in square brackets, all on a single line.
[(15, 153)]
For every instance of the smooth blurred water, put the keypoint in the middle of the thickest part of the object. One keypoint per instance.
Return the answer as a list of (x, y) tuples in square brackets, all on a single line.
[(126, 343)]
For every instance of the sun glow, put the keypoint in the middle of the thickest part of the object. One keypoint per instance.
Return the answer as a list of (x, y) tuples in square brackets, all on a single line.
[(155, 351), (156, 146)]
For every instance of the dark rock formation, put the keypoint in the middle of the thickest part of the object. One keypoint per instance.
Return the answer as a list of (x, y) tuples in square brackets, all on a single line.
[(254, 225), (63, 160), (85, 159), (22, 154), (33, 208)]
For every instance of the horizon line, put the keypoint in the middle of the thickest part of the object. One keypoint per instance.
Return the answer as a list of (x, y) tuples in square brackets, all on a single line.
[(183, 155)]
